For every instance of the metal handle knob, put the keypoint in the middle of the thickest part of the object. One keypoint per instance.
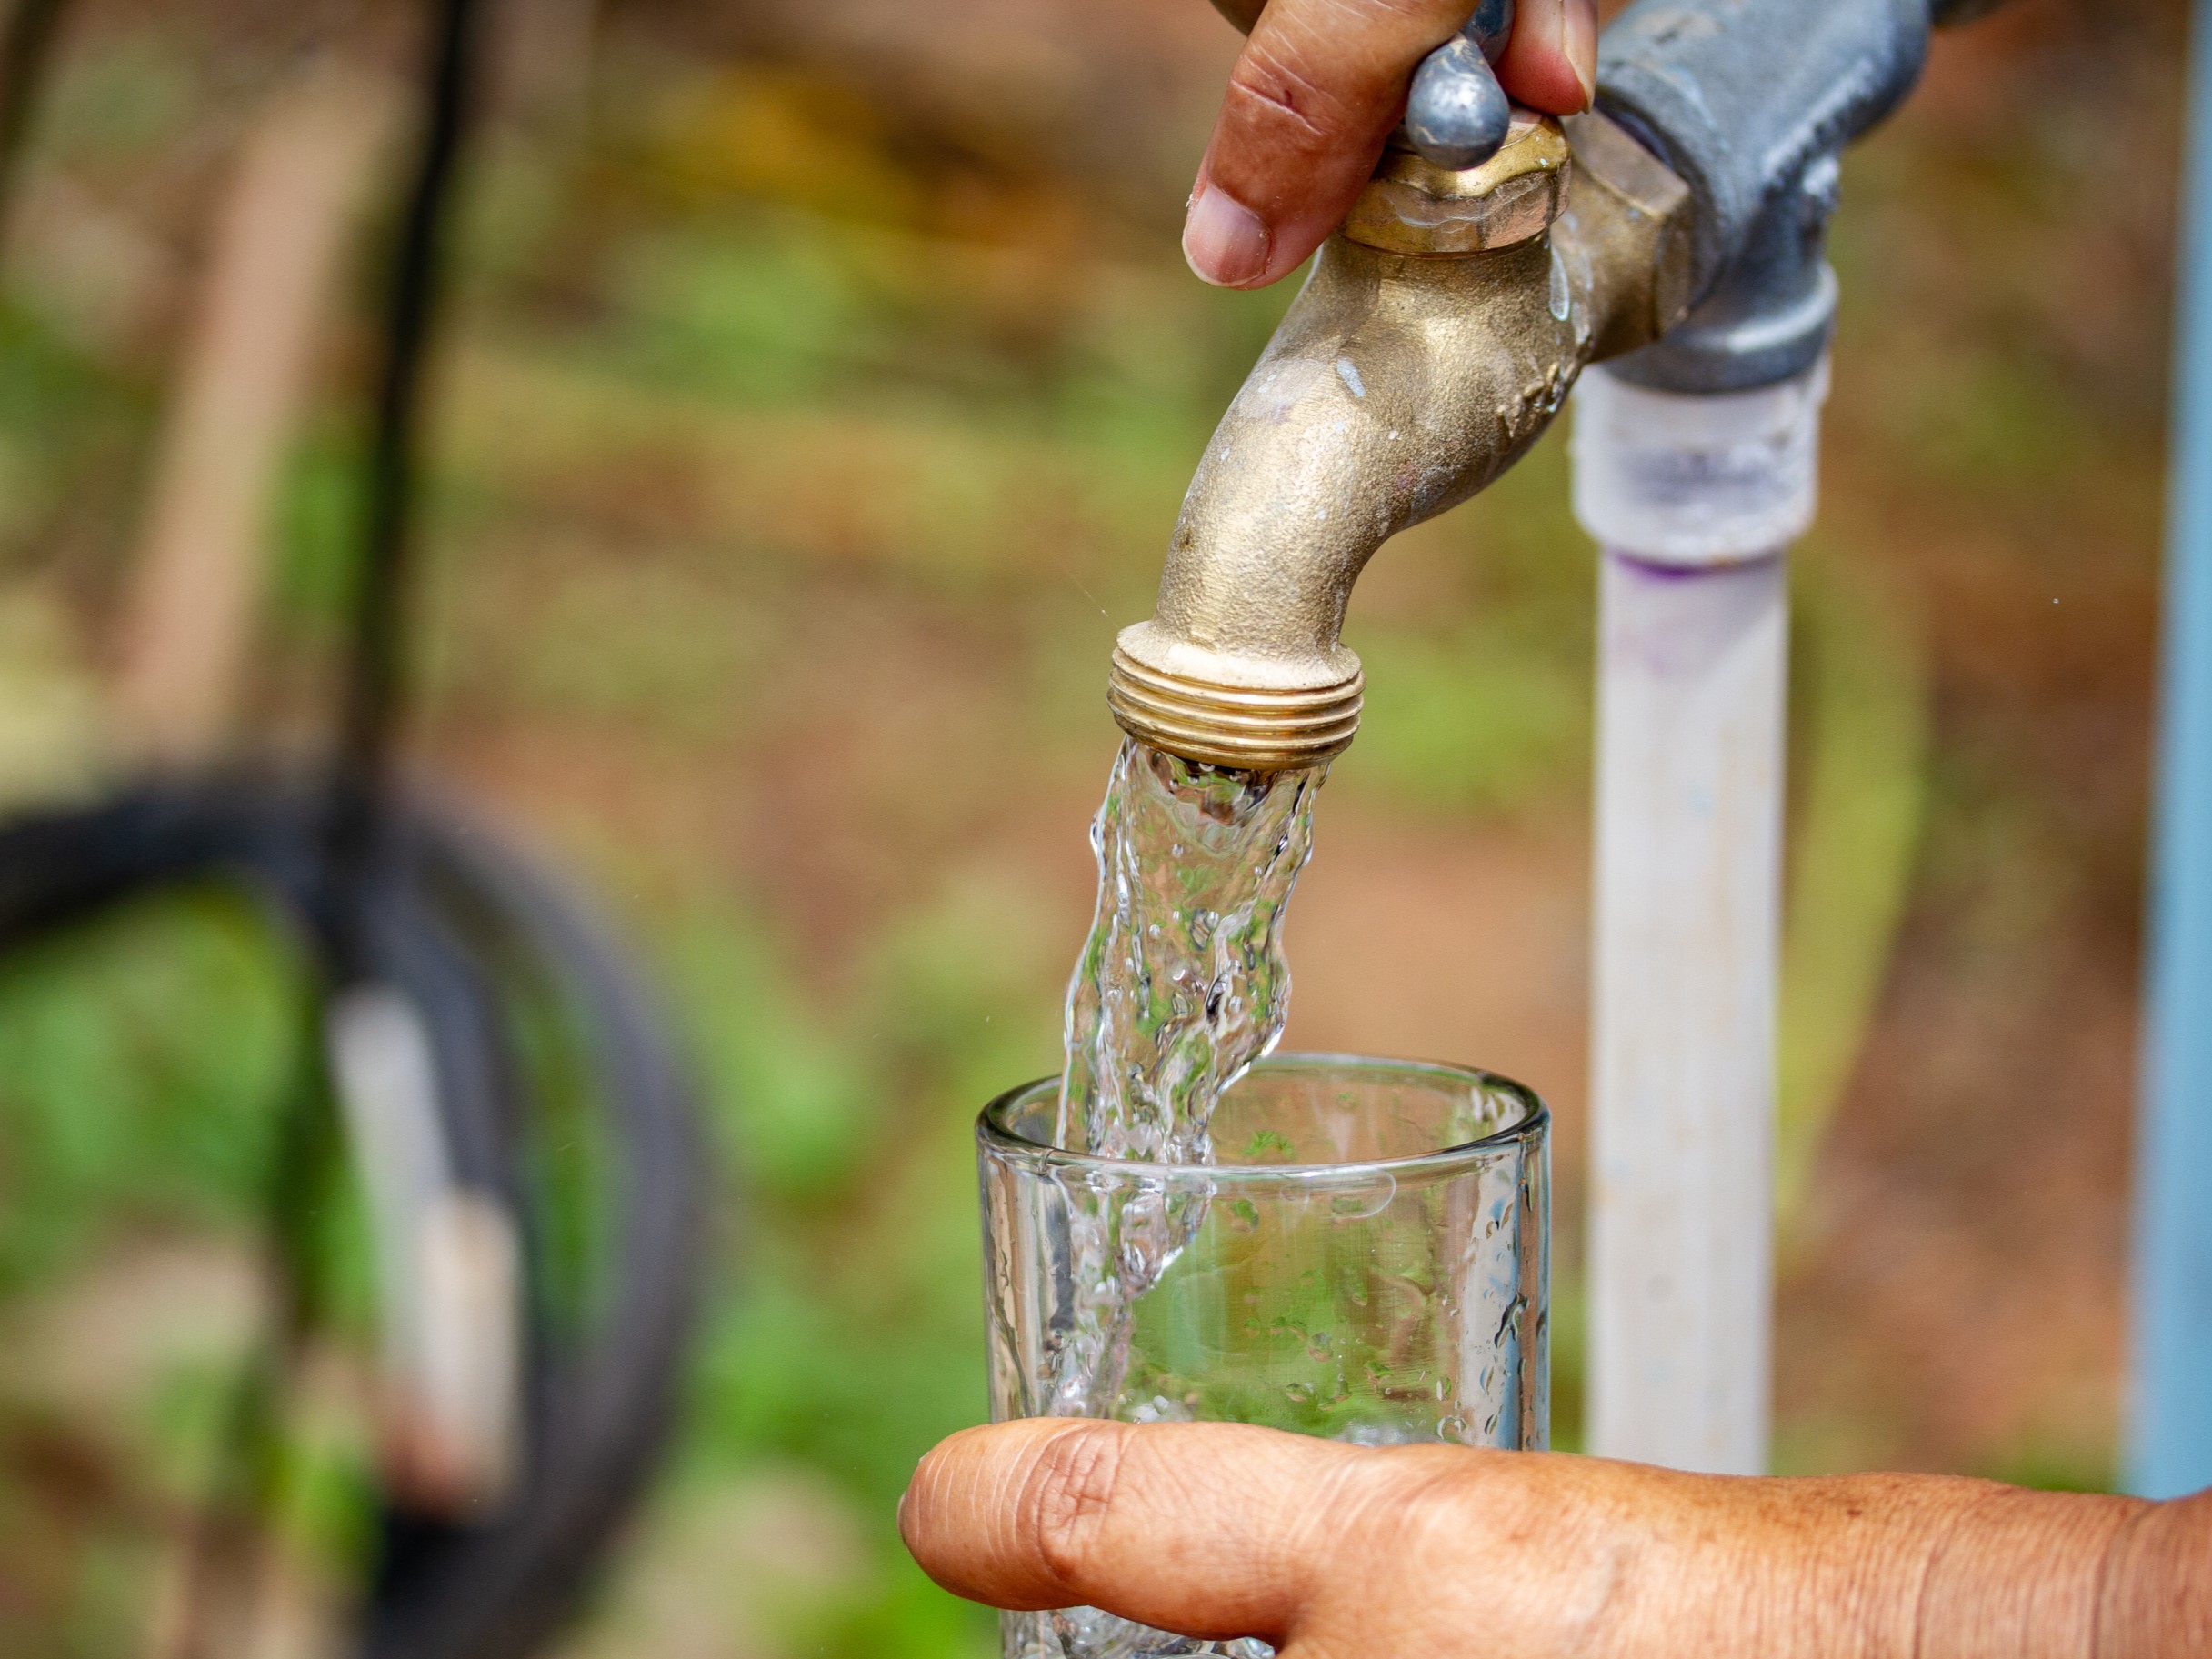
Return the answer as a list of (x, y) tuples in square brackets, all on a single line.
[(1456, 113)]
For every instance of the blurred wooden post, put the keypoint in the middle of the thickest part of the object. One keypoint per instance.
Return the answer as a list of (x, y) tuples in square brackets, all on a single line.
[(189, 614)]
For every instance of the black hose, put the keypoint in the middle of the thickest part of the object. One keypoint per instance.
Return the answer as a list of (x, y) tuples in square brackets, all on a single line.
[(375, 678), (464, 929), (26, 48)]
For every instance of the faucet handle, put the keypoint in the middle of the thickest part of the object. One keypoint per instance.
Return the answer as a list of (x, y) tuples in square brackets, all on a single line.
[(1456, 113)]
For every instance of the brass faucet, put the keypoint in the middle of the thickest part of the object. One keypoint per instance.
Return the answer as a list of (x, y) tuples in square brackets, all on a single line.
[(1437, 336)]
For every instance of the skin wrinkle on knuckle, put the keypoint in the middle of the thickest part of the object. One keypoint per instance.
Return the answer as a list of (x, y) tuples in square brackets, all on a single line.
[(1418, 1506), (1569, 1569), (1334, 1510), (1417, 1518), (1065, 1495), (1264, 78)]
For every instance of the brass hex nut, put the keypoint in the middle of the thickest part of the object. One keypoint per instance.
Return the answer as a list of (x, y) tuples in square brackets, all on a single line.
[(1413, 207)]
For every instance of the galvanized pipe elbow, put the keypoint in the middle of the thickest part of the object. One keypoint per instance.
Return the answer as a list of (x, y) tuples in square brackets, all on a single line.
[(1438, 335)]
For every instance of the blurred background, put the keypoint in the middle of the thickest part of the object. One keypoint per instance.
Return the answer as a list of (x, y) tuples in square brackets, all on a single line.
[(821, 380)]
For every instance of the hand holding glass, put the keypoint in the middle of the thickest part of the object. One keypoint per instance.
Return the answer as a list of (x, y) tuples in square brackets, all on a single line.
[(1367, 1261)]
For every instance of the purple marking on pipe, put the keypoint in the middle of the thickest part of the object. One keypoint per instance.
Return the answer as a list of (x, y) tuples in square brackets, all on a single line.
[(1671, 621), (1667, 570)]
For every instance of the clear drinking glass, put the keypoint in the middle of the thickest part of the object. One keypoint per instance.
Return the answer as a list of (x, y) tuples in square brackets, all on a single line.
[(1367, 1261)]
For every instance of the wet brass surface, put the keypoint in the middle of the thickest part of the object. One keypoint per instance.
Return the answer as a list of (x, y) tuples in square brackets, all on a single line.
[(1397, 386), (1413, 207)]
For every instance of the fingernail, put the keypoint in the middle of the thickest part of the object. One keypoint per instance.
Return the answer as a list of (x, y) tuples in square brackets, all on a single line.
[(1226, 242), (1579, 43)]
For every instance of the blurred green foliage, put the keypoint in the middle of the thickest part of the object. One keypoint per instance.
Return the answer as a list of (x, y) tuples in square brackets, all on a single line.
[(115, 1108), (146, 1060)]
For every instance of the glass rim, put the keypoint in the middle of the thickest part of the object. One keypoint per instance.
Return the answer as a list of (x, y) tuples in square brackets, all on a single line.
[(1527, 1130)]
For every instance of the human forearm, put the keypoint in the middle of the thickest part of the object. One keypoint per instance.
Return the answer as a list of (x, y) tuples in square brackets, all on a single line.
[(1880, 1566), (1975, 1570), (1333, 1553)]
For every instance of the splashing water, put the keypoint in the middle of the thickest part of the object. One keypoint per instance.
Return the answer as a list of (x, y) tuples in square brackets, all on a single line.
[(1181, 986)]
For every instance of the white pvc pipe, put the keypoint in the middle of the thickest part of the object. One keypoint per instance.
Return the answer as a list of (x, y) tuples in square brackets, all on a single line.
[(1692, 499), (1682, 1137)]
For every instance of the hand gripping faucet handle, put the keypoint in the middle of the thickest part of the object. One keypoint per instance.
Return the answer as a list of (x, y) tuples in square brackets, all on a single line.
[(1456, 113)]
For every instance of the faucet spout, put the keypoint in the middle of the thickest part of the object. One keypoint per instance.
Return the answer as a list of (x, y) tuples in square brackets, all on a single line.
[(1437, 336)]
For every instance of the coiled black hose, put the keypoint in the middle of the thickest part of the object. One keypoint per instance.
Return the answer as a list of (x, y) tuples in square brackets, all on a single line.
[(380, 888), (464, 929)]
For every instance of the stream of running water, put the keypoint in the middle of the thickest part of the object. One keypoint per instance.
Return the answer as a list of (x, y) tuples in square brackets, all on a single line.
[(1181, 986)]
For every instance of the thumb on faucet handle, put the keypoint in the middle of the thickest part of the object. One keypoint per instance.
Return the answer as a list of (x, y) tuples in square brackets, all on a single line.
[(1456, 113)]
